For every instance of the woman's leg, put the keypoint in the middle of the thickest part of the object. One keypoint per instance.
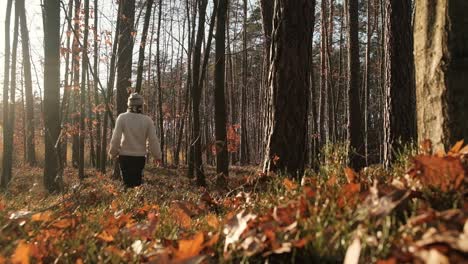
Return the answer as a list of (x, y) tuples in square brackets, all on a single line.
[(132, 168)]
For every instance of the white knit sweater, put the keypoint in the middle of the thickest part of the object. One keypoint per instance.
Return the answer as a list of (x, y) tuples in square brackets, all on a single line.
[(133, 134)]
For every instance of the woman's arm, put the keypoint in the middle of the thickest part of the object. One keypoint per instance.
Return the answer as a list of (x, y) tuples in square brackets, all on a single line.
[(153, 141), (116, 139)]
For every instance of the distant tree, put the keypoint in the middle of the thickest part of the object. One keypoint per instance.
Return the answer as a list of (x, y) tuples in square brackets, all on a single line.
[(222, 161), (9, 105), (51, 92), (400, 101), (30, 144), (289, 83), (83, 89), (356, 137), (76, 85), (441, 71), (141, 53)]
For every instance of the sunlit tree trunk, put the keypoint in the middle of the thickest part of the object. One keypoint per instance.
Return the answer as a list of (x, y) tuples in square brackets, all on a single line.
[(83, 89), (441, 31)]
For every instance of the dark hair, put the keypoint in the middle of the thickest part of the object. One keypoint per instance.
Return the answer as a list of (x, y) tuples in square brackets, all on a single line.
[(138, 109)]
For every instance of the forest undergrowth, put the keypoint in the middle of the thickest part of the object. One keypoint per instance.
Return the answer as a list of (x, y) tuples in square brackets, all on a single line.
[(412, 213)]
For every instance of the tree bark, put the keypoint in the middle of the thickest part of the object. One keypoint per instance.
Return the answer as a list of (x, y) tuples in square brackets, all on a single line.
[(84, 71), (51, 92), (400, 111), (289, 85), (356, 155), (30, 144), (222, 161), (158, 66), (141, 58), (441, 60)]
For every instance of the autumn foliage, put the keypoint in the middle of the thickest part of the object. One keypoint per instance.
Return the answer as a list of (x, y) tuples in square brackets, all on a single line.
[(371, 216)]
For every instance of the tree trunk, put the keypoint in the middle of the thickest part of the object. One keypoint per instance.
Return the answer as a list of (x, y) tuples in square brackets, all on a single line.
[(95, 84), (141, 58), (222, 161), (84, 71), (30, 144), (196, 94), (289, 86), (158, 66), (51, 93), (6, 175), (124, 63), (441, 60), (356, 139), (76, 86), (400, 112), (244, 147)]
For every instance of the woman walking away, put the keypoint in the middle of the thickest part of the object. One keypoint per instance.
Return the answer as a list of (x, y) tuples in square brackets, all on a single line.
[(133, 132)]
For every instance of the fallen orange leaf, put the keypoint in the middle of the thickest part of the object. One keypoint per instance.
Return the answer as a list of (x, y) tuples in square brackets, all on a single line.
[(457, 147), (213, 240), (351, 175), (212, 220), (290, 185), (64, 223), (42, 217), (21, 254), (440, 172), (104, 236), (190, 247)]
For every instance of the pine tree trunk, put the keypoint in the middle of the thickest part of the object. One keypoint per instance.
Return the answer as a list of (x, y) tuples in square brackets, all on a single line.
[(400, 112), (357, 160), (51, 92), (289, 85), (441, 60)]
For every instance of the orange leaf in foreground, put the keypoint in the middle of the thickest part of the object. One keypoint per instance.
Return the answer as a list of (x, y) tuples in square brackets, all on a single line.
[(349, 194), (290, 185), (42, 217), (446, 173), (64, 223), (457, 147), (104, 236), (21, 254), (2, 260), (190, 247), (351, 175), (180, 216)]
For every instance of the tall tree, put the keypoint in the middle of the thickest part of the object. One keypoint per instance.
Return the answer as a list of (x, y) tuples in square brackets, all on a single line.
[(400, 101), (289, 83), (160, 102), (196, 94), (141, 54), (356, 139), (244, 147), (30, 144), (83, 89), (6, 83), (441, 71), (124, 62), (222, 161), (10, 121), (51, 92), (76, 85), (95, 84)]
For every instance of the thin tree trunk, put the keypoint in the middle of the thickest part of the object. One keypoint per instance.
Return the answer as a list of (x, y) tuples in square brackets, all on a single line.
[(76, 86), (30, 144), (141, 58), (244, 151), (84, 71), (222, 162), (158, 66), (6, 175), (95, 84)]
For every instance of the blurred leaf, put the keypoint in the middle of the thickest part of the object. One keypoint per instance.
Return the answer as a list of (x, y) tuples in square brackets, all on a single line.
[(21, 254), (290, 185), (235, 227), (190, 248), (445, 173), (42, 217), (351, 175)]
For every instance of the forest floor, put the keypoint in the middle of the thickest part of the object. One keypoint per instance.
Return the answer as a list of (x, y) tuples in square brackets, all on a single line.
[(415, 212)]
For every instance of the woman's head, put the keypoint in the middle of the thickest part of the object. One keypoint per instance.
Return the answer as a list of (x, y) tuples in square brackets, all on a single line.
[(135, 103)]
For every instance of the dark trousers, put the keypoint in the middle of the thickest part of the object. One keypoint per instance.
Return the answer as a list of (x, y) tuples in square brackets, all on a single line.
[(132, 170)]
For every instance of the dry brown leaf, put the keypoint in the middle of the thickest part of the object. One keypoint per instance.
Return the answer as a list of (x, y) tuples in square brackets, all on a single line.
[(42, 217), (64, 223), (457, 147), (2, 260), (235, 227), (190, 248), (213, 240), (351, 175), (290, 185), (332, 181), (105, 236), (446, 173), (212, 220), (21, 254), (180, 216)]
